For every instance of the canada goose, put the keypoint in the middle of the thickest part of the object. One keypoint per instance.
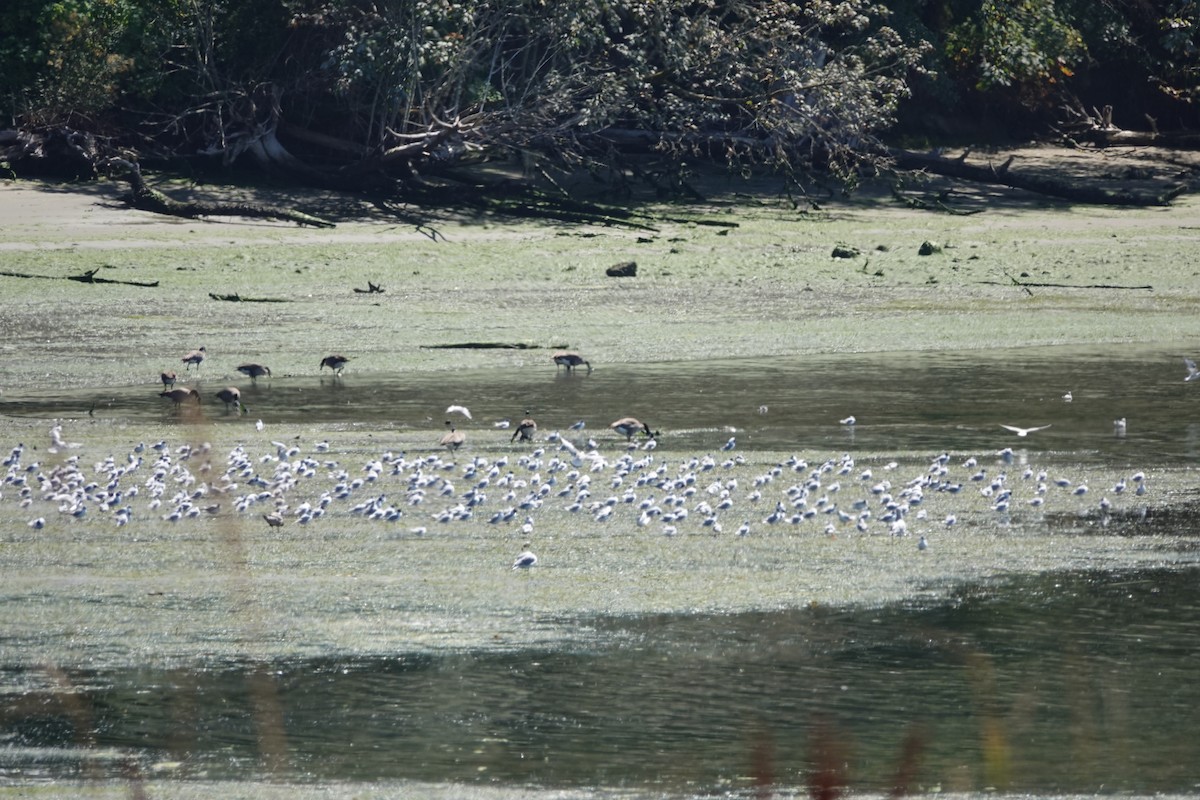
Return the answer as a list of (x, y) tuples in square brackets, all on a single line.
[(230, 396), (628, 426), (335, 363), (168, 378), (565, 358), (254, 371), (454, 439), (194, 357), (525, 429), (177, 396)]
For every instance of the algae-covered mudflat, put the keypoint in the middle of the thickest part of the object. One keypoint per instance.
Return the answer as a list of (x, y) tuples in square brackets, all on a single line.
[(921, 592)]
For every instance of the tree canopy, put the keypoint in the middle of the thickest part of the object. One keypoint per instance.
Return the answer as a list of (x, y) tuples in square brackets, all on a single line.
[(360, 92)]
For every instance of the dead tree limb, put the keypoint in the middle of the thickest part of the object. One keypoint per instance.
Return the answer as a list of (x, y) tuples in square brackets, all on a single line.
[(1004, 175), (87, 277), (237, 298), (144, 198)]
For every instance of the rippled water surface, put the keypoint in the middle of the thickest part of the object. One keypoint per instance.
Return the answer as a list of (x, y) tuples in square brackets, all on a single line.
[(1047, 651)]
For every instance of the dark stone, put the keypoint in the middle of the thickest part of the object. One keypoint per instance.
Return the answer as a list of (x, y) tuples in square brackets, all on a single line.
[(627, 269)]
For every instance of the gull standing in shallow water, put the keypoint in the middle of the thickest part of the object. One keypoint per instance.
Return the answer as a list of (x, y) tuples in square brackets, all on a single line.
[(1193, 371), (1023, 431)]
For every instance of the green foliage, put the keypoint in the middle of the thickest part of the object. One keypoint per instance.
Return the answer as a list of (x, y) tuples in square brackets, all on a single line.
[(1025, 44), (755, 79), (786, 84), (64, 59)]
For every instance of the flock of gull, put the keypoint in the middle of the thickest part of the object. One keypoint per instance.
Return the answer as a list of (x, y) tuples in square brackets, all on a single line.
[(620, 481)]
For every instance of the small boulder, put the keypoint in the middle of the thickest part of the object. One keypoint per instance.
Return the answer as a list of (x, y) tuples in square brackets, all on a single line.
[(626, 269)]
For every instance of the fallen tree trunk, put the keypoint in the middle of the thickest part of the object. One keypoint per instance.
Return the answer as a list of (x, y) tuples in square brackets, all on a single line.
[(144, 198), (1004, 175), (87, 277), (1172, 140), (237, 298)]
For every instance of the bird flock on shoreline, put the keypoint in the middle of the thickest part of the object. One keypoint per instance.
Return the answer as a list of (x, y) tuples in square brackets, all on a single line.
[(618, 485), (620, 482)]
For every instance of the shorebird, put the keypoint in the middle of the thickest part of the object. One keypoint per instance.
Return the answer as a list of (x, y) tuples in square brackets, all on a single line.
[(1023, 431), (194, 357), (335, 362), (570, 360), (274, 520), (525, 429), (454, 438), (168, 378), (254, 371), (1119, 427), (177, 396), (525, 559), (230, 396), (848, 421), (628, 426)]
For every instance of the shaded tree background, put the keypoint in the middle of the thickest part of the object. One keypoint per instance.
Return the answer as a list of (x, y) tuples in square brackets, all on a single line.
[(354, 92)]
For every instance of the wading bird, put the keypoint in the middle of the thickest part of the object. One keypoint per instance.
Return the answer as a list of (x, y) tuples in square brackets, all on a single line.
[(230, 396), (254, 371), (177, 396), (454, 438), (194, 357), (525, 429), (565, 358), (168, 378), (335, 362), (628, 426)]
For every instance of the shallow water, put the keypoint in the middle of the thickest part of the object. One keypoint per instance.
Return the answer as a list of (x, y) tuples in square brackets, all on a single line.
[(922, 402), (1059, 683), (1045, 651)]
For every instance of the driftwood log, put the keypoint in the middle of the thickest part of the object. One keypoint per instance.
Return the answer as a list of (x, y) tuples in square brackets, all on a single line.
[(1005, 175), (86, 277), (144, 198)]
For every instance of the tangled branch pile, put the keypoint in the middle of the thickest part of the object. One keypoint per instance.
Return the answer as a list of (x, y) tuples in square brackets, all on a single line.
[(350, 93)]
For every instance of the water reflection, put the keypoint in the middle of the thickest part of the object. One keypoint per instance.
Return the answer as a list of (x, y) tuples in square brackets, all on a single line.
[(1073, 682)]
